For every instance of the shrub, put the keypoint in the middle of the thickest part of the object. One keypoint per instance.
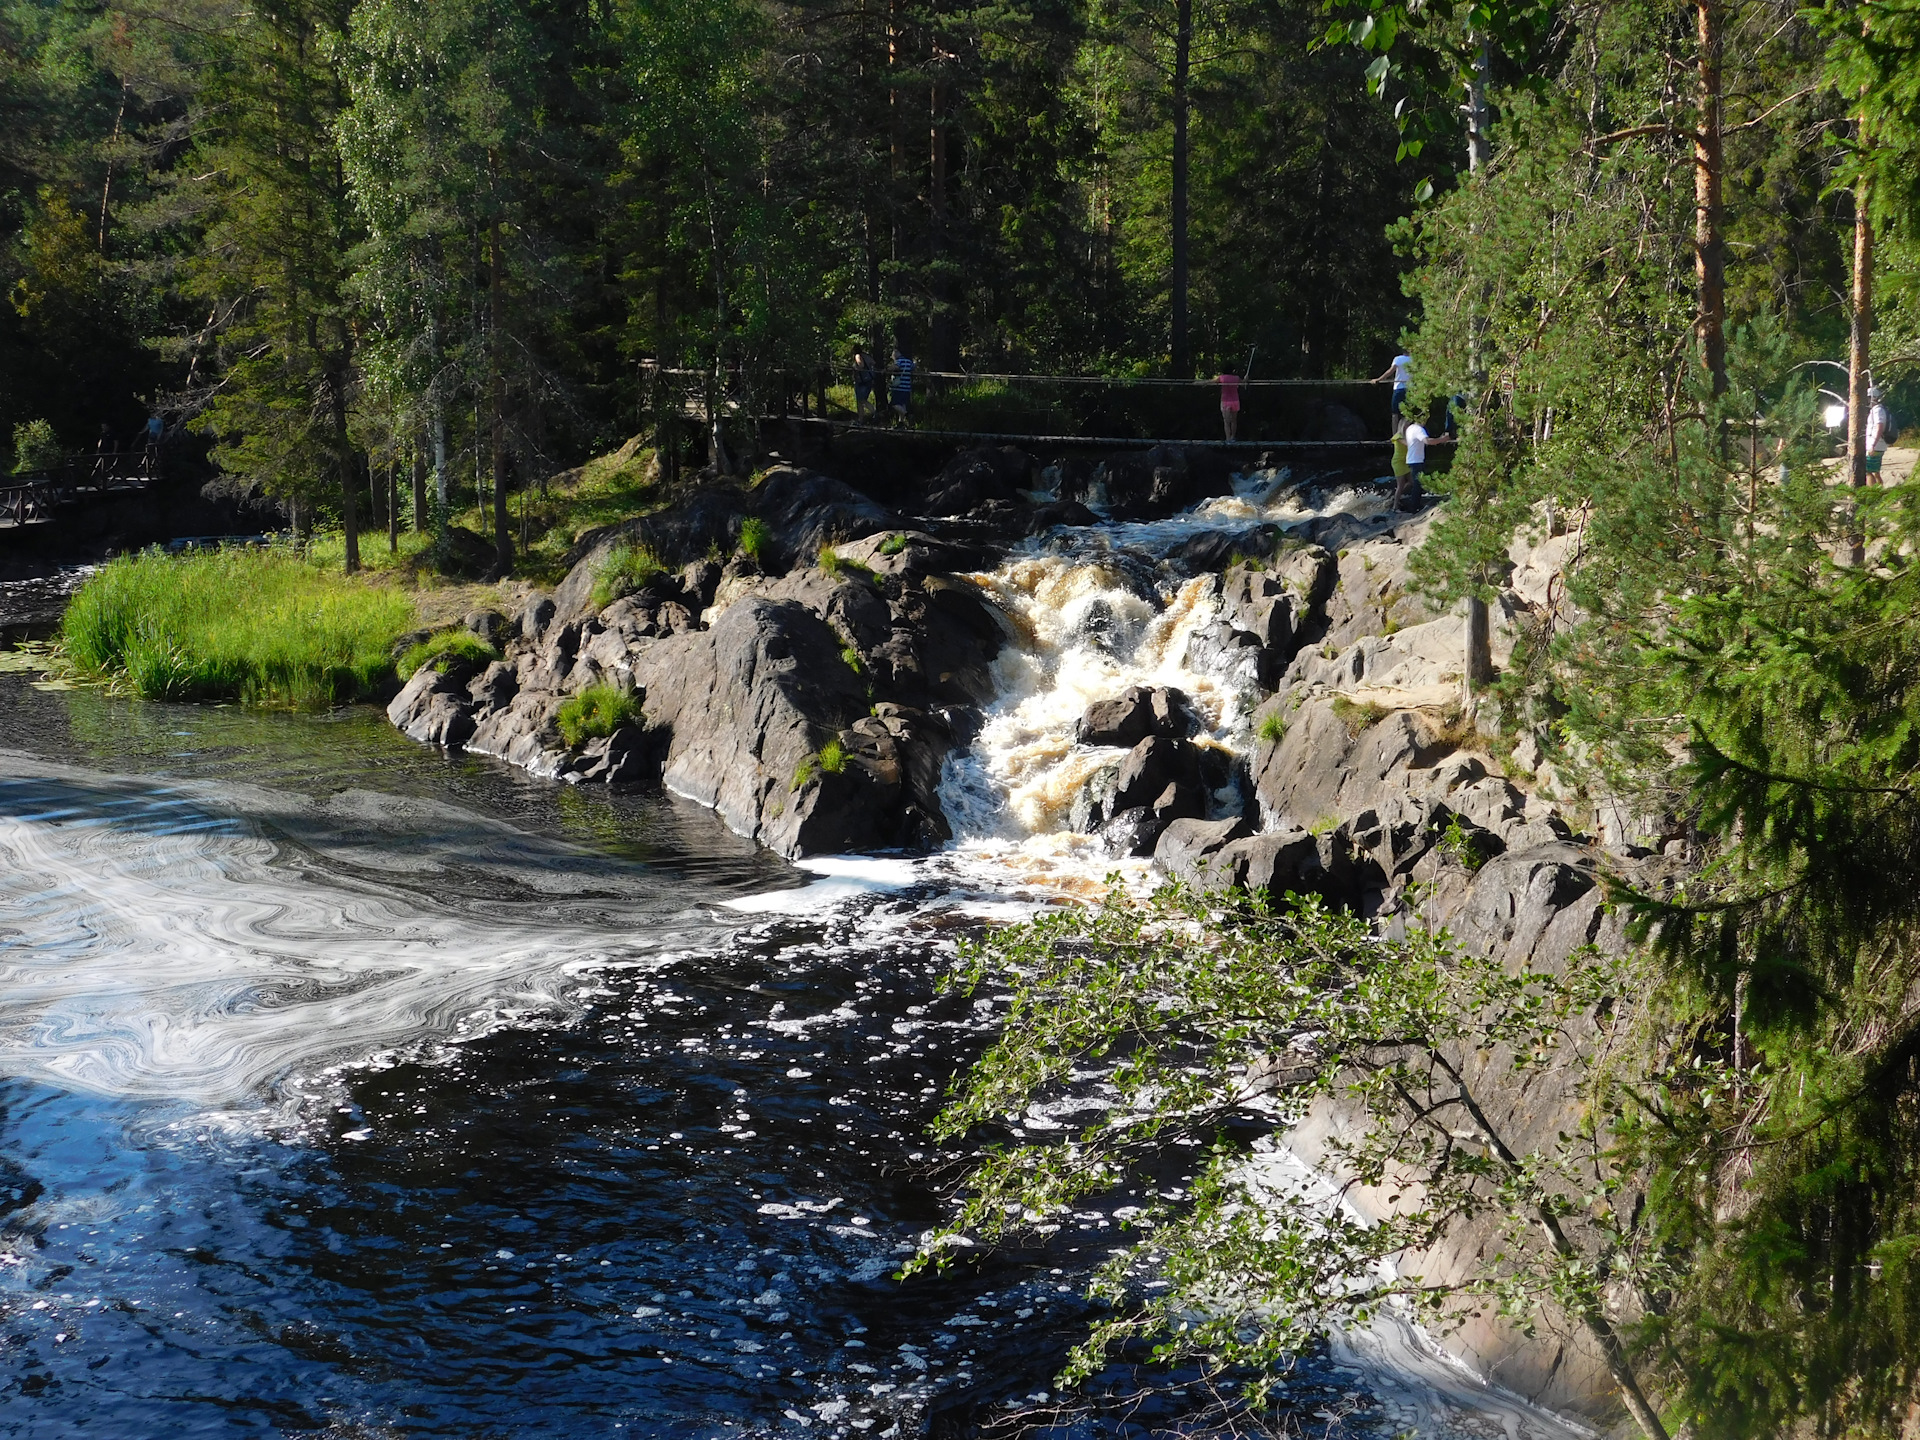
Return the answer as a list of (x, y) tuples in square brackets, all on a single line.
[(596, 713), (894, 543), (756, 540), (1466, 848), (35, 447), (852, 657), (437, 649), (257, 626), (1356, 716), (830, 759), (842, 568), (1273, 729), (626, 568)]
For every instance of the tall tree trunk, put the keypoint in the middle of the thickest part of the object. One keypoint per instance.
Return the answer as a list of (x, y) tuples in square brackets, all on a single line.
[(943, 349), (106, 189), (896, 126), (346, 463), (419, 488), (1709, 255), (1859, 354), (393, 507), (1181, 356), (502, 541), (1478, 659)]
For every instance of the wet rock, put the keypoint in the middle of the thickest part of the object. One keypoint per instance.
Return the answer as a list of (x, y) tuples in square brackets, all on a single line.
[(698, 582), (1259, 603), (523, 732), (495, 686), (1181, 800), (489, 626), (1150, 767), (533, 619), (1322, 769), (806, 511), (1186, 846), (1134, 714), (986, 473), (465, 555), (1093, 803), (707, 521), (433, 707), (1283, 861), (629, 756), (1217, 549), (914, 552), (1132, 833), (746, 705)]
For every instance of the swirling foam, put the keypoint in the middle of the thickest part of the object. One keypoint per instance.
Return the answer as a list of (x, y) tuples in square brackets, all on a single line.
[(201, 943)]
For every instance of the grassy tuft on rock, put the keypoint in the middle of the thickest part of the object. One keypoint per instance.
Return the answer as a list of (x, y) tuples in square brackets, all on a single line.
[(259, 627), (627, 568), (596, 713), (756, 540), (436, 650)]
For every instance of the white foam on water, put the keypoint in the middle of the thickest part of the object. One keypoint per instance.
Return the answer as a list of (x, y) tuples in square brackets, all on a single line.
[(157, 943)]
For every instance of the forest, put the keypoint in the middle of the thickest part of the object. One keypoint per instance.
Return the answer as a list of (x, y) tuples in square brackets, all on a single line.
[(1661, 255), (329, 239)]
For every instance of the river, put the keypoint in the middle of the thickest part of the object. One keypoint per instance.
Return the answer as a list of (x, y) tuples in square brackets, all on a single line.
[(350, 1089)]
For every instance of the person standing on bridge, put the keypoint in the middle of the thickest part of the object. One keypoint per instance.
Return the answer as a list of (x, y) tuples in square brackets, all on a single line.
[(1230, 406), (862, 384), (900, 383), (1401, 373)]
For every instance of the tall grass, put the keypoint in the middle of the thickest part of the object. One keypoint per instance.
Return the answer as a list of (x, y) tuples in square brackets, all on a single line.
[(260, 627)]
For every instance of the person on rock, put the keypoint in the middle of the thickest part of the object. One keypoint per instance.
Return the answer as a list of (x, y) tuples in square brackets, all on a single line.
[(1230, 406), (1413, 440), (1401, 471), (1879, 431)]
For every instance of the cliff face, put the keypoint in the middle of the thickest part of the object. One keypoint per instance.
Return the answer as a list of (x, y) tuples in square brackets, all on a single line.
[(1294, 720)]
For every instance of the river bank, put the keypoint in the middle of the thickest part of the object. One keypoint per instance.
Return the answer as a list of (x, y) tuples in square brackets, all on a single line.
[(545, 982)]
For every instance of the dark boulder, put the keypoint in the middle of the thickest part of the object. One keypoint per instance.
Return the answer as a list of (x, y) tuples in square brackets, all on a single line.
[(807, 512), (975, 476), (1186, 846), (1136, 713)]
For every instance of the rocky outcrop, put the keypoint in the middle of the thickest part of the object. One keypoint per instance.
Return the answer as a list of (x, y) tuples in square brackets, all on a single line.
[(812, 709)]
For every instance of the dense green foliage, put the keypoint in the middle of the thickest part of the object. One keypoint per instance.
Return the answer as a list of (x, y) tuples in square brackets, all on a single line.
[(596, 713), (626, 568), (255, 626), (457, 240), (1168, 1022)]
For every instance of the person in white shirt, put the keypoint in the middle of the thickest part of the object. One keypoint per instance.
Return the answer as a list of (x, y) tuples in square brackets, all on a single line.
[(1406, 488), (1401, 373), (1879, 422)]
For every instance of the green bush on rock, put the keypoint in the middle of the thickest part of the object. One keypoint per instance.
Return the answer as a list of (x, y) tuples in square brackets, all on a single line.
[(627, 568), (596, 713), (260, 627), (446, 645)]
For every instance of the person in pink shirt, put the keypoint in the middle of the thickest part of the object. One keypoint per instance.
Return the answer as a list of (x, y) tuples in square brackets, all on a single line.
[(1230, 405)]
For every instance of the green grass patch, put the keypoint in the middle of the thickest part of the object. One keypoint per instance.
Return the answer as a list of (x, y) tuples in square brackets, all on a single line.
[(596, 713), (841, 568), (1273, 729), (604, 491), (756, 540), (446, 645), (627, 568), (1358, 717), (894, 543), (259, 626), (829, 759), (328, 551)]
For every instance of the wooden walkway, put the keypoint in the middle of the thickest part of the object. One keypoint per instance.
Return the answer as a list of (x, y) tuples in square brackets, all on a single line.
[(33, 499)]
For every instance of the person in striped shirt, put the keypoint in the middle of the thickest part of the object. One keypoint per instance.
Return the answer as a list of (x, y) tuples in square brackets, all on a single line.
[(900, 383)]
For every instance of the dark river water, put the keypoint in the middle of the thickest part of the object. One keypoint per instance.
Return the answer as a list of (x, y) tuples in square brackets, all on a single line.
[(347, 1089)]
